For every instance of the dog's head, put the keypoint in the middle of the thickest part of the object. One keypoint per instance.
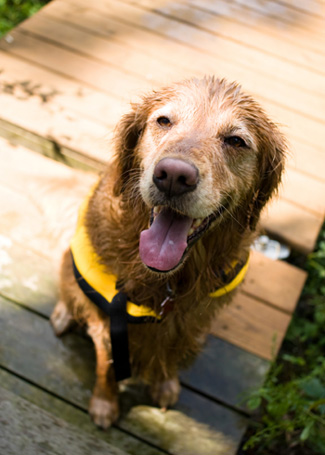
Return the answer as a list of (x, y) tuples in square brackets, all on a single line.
[(204, 152)]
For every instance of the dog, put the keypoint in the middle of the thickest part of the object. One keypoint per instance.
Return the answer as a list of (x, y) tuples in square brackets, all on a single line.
[(165, 234)]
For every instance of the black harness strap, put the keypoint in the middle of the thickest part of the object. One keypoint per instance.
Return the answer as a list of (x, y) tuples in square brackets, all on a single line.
[(116, 310), (119, 337)]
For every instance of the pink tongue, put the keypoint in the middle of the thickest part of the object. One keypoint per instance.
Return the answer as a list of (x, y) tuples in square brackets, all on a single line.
[(163, 244)]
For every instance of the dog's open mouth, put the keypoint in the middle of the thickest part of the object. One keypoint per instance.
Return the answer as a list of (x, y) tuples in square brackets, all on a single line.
[(170, 235)]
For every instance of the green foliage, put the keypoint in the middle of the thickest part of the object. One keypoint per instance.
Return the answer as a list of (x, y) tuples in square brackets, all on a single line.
[(14, 11), (292, 401), (294, 412)]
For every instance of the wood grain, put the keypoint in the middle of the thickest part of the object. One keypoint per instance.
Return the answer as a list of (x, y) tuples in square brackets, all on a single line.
[(290, 26), (26, 427), (292, 224), (237, 32), (274, 282), (249, 322), (66, 368), (226, 373), (74, 416)]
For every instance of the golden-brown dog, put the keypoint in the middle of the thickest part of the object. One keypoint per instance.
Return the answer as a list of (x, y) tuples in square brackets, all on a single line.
[(195, 164)]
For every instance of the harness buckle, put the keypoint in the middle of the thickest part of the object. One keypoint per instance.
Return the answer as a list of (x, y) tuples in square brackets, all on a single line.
[(168, 303)]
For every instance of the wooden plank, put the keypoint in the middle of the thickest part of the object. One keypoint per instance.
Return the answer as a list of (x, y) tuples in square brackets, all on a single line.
[(249, 322), (265, 21), (307, 159), (63, 127), (287, 13), (266, 68), (90, 71), (26, 276), (34, 206), (110, 52), (24, 80), (241, 34), (304, 191), (225, 372), (47, 146), (297, 128), (276, 283), (25, 427), (292, 224), (100, 23), (220, 47), (312, 7), (67, 368), (61, 409), (234, 10), (300, 126), (108, 28)]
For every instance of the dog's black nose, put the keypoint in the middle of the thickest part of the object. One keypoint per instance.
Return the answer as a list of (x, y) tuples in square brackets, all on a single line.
[(175, 177)]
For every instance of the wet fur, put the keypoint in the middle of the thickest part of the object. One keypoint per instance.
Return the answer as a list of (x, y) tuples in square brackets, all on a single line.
[(118, 213)]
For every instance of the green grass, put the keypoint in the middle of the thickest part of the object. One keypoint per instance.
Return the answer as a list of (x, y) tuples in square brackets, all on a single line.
[(291, 404), (14, 11)]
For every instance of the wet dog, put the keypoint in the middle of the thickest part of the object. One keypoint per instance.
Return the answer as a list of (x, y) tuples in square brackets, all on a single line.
[(166, 232)]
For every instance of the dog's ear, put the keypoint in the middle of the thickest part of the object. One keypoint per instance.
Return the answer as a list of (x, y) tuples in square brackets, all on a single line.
[(127, 134), (272, 153)]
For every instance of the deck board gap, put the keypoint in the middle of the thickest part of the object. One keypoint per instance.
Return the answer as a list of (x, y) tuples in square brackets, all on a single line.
[(44, 389), (304, 207), (209, 397), (23, 306), (300, 9), (61, 73), (78, 407), (89, 56), (266, 302), (305, 173)]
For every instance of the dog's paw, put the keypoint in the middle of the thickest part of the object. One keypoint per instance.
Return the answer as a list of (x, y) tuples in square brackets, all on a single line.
[(165, 393), (61, 319), (103, 412)]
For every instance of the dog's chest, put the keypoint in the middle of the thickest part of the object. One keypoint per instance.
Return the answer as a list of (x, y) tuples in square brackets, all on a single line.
[(172, 342)]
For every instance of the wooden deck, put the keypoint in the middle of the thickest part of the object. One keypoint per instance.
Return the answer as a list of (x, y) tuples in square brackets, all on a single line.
[(66, 76)]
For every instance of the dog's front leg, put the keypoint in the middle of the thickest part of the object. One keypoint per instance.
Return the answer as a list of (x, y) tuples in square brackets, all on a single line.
[(165, 393), (103, 407)]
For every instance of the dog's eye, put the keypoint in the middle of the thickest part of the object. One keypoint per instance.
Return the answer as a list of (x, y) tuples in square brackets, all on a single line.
[(235, 141), (164, 121)]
